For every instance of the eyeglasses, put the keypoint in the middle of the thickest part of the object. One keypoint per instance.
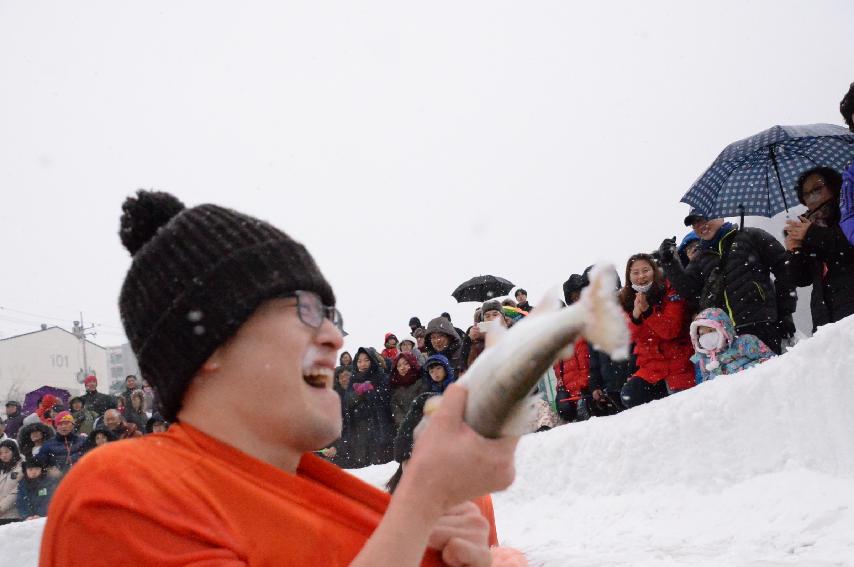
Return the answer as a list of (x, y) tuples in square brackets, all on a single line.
[(312, 311), (815, 193)]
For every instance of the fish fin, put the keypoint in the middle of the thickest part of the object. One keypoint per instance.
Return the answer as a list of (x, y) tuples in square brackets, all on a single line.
[(494, 332), (522, 418), (605, 324), (567, 351), (549, 303)]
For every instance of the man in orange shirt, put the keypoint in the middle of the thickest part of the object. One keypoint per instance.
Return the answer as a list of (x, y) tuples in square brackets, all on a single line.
[(223, 311)]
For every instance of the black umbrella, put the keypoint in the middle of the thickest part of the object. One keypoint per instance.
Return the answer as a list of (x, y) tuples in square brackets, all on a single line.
[(482, 288)]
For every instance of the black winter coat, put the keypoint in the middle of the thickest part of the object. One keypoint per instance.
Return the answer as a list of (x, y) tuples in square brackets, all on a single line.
[(14, 423), (369, 414), (98, 402), (825, 261), (741, 284), (608, 374)]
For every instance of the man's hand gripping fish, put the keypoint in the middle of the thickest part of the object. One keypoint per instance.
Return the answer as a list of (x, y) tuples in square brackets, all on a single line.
[(501, 379)]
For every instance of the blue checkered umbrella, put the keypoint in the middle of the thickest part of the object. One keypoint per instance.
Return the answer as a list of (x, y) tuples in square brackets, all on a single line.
[(757, 175)]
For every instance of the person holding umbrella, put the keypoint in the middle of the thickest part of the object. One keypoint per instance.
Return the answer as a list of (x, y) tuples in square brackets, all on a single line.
[(732, 271), (818, 253)]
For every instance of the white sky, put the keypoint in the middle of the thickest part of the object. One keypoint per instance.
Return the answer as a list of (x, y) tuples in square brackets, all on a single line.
[(409, 146)]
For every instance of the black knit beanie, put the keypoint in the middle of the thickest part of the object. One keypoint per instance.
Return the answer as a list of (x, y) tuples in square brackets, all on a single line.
[(197, 274)]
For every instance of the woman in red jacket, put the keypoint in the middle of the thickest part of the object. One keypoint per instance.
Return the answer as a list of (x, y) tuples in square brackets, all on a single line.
[(657, 321)]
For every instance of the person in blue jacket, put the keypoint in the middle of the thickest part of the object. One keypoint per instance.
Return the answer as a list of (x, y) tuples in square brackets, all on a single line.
[(35, 490), (438, 374), (66, 447)]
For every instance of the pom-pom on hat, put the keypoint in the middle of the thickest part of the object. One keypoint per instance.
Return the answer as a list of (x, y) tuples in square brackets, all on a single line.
[(197, 274)]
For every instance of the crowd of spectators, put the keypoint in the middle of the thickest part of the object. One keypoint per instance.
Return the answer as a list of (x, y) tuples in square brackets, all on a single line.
[(37, 450), (720, 301), (717, 303)]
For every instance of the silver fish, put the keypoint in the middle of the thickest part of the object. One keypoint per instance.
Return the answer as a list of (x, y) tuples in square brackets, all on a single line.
[(501, 379)]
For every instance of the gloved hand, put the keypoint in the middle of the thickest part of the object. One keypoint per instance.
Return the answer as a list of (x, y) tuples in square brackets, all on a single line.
[(566, 407), (667, 250), (787, 326)]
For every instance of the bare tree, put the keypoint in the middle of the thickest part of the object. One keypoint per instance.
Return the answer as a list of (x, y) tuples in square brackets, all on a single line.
[(14, 391)]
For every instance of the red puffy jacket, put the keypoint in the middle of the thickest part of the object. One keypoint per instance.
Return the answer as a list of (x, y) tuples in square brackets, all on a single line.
[(390, 352), (574, 372), (663, 345)]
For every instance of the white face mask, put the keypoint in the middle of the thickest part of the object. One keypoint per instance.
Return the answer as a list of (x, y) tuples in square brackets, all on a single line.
[(709, 341), (642, 288)]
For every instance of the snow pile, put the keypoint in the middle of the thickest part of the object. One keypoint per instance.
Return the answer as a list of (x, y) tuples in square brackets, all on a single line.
[(747, 470), (19, 543), (755, 469)]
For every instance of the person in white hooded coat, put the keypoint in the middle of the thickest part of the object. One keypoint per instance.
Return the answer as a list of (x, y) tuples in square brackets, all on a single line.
[(10, 474)]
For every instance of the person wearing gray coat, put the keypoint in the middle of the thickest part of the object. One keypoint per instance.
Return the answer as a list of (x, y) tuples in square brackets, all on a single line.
[(442, 338)]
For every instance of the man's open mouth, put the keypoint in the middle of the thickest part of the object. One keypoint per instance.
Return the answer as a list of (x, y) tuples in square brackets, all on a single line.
[(318, 377)]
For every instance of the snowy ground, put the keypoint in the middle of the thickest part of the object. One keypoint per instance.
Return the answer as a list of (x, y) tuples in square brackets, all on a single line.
[(752, 470), (755, 469)]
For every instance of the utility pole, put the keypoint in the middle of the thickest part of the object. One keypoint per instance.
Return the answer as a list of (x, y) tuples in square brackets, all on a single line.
[(80, 331)]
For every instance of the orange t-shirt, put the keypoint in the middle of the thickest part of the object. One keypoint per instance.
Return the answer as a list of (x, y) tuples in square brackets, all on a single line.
[(484, 503), (185, 498)]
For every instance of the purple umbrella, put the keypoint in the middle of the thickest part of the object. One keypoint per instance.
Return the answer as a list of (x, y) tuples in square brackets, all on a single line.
[(31, 400)]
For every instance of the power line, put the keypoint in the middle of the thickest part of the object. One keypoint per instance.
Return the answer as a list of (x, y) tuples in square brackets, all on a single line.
[(43, 317)]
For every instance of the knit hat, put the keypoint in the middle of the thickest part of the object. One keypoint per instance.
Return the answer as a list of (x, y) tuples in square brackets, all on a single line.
[(197, 275), (63, 416), (153, 420), (34, 462), (575, 283), (491, 305), (89, 380)]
